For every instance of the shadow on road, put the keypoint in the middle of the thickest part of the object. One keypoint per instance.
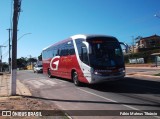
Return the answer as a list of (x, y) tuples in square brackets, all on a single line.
[(129, 85), (86, 101), (126, 85)]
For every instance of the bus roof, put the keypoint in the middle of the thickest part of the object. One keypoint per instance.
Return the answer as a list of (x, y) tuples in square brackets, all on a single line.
[(84, 36), (57, 43)]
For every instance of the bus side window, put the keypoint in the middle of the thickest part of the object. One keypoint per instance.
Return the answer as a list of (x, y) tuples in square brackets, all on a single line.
[(58, 52), (84, 55), (70, 48), (54, 52)]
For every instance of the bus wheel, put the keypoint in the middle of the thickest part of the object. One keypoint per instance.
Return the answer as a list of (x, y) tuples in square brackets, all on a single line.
[(75, 79), (49, 73)]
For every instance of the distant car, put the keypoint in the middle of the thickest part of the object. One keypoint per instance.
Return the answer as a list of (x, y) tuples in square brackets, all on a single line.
[(38, 69)]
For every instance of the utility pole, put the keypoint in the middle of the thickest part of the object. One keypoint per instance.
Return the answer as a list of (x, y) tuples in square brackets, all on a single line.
[(133, 43), (9, 59), (17, 5), (30, 62), (1, 57)]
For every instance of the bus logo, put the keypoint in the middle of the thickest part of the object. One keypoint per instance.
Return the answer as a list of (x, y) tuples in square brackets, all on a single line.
[(54, 63)]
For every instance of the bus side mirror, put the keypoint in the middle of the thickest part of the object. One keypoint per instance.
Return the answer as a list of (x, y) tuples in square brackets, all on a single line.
[(125, 47)]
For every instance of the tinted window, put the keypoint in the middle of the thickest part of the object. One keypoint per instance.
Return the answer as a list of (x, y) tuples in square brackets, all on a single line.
[(64, 49), (105, 53), (67, 49)]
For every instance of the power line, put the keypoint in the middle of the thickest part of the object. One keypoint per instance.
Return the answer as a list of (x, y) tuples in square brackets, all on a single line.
[(10, 20), (9, 59), (5, 54), (5, 43)]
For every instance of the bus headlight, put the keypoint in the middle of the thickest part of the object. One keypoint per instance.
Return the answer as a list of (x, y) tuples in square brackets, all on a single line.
[(122, 70), (96, 73)]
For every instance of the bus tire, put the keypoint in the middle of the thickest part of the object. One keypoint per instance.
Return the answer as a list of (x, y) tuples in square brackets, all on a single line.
[(75, 79), (49, 73)]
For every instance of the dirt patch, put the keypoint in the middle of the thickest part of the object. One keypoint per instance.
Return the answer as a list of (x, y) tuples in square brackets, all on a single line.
[(25, 103)]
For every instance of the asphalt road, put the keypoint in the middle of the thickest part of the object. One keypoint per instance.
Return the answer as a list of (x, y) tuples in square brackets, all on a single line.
[(134, 94)]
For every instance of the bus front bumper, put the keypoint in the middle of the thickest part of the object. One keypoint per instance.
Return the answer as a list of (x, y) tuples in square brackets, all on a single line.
[(98, 78)]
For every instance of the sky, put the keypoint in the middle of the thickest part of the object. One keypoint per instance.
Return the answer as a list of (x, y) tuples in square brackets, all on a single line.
[(45, 22)]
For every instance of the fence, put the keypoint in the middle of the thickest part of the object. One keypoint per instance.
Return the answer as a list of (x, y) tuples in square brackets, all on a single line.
[(136, 61)]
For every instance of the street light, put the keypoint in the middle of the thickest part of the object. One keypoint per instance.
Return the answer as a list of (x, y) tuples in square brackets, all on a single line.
[(9, 50), (14, 63), (23, 36)]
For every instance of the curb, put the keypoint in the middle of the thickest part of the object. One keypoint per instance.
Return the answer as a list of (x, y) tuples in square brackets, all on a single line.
[(144, 67), (142, 75)]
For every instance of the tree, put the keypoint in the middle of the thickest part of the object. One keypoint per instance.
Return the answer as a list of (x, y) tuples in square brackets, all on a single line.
[(138, 38), (32, 60), (22, 62), (40, 57), (5, 66)]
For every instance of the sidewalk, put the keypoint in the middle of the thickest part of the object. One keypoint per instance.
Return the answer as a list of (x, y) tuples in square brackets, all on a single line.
[(5, 86), (150, 74), (142, 66)]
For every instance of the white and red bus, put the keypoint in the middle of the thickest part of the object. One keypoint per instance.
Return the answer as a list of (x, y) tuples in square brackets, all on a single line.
[(85, 58)]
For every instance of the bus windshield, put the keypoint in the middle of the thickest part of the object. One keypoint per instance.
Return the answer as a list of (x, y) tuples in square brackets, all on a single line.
[(105, 52)]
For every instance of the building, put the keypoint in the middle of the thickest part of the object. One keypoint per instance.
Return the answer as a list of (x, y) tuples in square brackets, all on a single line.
[(133, 49), (148, 42)]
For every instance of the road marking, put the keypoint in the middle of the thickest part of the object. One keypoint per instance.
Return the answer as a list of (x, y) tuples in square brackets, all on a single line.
[(36, 84), (114, 101), (36, 78), (43, 77), (48, 82), (107, 99), (41, 82), (28, 79), (60, 81)]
